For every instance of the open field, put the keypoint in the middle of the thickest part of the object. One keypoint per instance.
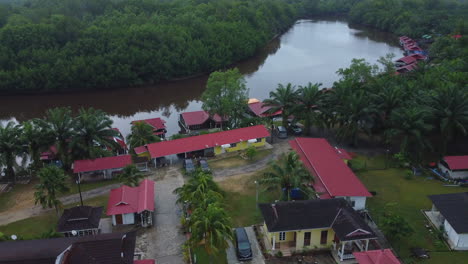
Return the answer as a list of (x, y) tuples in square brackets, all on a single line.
[(411, 196), (35, 226)]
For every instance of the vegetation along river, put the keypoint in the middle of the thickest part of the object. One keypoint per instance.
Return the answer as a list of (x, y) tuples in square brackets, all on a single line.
[(310, 51)]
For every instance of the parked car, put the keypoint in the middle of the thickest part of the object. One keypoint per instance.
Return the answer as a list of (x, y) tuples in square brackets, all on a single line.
[(297, 130), (243, 248), (188, 165), (204, 165), (281, 132)]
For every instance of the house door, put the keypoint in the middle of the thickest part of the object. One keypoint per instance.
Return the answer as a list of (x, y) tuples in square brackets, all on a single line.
[(118, 219), (323, 237), (307, 236)]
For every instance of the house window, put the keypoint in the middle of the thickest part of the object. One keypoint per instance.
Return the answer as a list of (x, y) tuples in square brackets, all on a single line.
[(323, 237), (307, 236), (282, 236), (233, 145)]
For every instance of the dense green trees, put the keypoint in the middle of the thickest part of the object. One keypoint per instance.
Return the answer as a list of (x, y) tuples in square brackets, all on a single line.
[(142, 133), (51, 45), (283, 99), (130, 176), (52, 181), (10, 148)]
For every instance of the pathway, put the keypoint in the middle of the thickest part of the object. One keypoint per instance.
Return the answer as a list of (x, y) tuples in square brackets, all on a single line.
[(278, 149), (164, 240), (256, 252), (13, 216)]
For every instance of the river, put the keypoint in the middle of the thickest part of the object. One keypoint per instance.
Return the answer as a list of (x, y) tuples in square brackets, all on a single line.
[(310, 51)]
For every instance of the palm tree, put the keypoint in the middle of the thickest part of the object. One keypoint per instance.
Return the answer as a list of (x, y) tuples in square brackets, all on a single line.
[(284, 98), (212, 227), (131, 176), (93, 132), (199, 187), (36, 141), (52, 181), (449, 113), (59, 125), (10, 147), (142, 134), (288, 174), (310, 97), (388, 99), (409, 126)]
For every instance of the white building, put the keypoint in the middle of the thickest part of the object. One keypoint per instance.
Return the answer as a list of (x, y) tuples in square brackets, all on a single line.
[(450, 213), (454, 167)]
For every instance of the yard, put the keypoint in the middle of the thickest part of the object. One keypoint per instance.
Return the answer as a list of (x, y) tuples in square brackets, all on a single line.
[(236, 160), (200, 256), (392, 186), (33, 227)]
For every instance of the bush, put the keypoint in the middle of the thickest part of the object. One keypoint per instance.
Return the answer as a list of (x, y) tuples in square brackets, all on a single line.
[(279, 254), (251, 152), (409, 175)]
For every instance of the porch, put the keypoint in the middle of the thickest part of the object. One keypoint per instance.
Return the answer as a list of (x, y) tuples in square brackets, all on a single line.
[(343, 251)]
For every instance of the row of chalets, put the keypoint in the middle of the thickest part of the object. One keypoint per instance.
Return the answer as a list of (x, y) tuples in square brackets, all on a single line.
[(414, 53)]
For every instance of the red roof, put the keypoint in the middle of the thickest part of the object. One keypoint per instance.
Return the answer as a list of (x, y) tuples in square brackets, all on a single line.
[(259, 110), (407, 59), (380, 256), (198, 117), (141, 149), (343, 154), (418, 56), (125, 200), (119, 139), (333, 177), (183, 145), (156, 123), (457, 162), (407, 68), (102, 163), (456, 36), (145, 261)]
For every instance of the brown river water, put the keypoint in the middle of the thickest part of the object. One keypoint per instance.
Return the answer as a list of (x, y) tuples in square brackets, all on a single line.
[(310, 51)]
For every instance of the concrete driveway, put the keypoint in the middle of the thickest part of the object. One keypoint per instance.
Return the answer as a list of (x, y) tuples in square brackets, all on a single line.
[(257, 254)]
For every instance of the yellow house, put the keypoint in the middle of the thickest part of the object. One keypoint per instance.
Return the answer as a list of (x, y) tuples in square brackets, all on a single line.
[(315, 224)]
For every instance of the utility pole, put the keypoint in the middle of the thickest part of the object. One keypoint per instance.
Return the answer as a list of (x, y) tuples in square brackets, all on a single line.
[(78, 182)]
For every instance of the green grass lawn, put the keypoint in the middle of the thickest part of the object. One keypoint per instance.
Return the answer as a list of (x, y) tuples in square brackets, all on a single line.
[(411, 197), (199, 256), (33, 227), (237, 160), (73, 187)]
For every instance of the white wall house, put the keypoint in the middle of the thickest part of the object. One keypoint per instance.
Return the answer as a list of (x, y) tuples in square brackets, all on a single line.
[(454, 167), (357, 202), (123, 219), (450, 211)]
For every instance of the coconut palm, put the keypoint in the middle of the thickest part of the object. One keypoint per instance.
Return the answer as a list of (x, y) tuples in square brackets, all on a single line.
[(409, 127), (59, 125), (52, 181), (131, 176), (94, 132), (141, 134), (449, 113), (35, 140), (310, 97), (199, 187), (212, 228), (288, 174), (284, 99), (10, 147), (387, 99)]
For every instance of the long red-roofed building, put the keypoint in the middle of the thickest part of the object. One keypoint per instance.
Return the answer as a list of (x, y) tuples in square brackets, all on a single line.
[(333, 178), (101, 167), (158, 124), (211, 144), (455, 167), (129, 205), (380, 256)]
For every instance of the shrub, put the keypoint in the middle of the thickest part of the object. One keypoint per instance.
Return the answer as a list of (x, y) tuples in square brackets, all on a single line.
[(251, 152), (279, 254)]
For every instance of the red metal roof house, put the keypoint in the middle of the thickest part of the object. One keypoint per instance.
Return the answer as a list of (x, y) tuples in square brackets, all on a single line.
[(100, 168), (260, 110), (333, 177), (128, 205), (199, 120), (455, 167), (120, 140), (380, 256), (158, 124)]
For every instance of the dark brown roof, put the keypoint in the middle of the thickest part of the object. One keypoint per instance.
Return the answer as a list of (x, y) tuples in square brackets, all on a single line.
[(99, 249), (80, 218), (311, 214), (454, 207)]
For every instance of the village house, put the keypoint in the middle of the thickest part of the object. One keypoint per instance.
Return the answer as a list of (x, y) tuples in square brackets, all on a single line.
[(315, 224), (199, 120), (379, 256), (132, 205), (122, 148), (258, 109), (158, 124), (80, 221), (114, 248), (333, 177), (454, 167), (450, 213), (100, 168), (209, 144)]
